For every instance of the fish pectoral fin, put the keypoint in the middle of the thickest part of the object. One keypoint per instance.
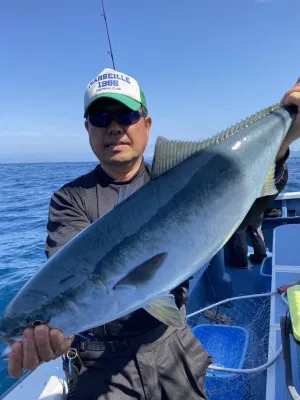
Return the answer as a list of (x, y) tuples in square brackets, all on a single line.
[(269, 187), (142, 273), (166, 311)]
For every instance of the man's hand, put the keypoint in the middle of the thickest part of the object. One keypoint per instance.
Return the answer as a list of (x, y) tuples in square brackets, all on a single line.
[(292, 96), (38, 345)]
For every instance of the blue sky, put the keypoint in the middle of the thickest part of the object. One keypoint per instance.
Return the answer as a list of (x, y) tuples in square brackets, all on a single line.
[(203, 66)]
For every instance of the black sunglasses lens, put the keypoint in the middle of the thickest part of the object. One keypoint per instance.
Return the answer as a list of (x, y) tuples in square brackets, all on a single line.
[(101, 120), (128, 118), (105, 119)]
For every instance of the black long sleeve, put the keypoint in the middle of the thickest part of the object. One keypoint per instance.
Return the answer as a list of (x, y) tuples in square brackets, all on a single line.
[(67, 217)]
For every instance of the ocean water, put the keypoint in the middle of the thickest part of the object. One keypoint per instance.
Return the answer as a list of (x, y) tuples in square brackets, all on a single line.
[(24, 200)]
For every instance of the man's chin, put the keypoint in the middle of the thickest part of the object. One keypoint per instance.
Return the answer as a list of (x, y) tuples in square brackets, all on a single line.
[(121, 159)]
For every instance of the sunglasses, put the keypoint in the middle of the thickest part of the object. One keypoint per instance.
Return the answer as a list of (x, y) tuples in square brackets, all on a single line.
[(103, 120)]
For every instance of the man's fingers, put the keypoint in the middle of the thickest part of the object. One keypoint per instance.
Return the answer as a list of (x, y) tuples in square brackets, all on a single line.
[(39, 344), (30, 354), (294, 90), (59, 343), (293, 98), (43, 345), (15, 365)]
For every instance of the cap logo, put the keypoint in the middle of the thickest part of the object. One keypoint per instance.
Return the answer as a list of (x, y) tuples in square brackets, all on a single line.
[(109, 81), (104, 80)]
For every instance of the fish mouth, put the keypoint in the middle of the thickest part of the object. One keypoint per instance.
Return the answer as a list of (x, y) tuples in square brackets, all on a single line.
[(6, 339)]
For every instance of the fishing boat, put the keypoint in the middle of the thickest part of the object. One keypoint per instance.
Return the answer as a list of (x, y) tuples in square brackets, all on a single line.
[(240, 316)]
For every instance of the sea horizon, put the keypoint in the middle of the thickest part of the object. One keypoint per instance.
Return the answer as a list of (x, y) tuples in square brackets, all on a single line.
[(293, 154)]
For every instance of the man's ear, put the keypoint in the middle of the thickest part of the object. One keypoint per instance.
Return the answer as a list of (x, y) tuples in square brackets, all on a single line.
[(86, 125), (148, 124)]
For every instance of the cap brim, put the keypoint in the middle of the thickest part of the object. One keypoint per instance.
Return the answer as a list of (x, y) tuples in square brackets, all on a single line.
[(127, 101)]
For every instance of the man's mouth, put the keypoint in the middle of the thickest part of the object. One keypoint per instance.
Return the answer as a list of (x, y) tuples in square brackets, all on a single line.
[(116, 144)]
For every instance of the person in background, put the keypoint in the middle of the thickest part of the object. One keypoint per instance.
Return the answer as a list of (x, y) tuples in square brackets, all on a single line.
[(237, 246), (258, 241), (134, 357)]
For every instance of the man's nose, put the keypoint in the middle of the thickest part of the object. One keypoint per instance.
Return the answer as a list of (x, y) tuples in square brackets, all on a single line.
[(115, 128)]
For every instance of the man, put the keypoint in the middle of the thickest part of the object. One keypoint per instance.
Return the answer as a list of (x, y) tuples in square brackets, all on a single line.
[(135, 357)]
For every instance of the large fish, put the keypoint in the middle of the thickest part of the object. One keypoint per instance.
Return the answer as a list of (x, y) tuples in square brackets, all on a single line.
[(157, 237)]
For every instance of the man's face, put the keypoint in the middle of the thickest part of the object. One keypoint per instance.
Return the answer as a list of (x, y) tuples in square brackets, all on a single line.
[(117, 144)]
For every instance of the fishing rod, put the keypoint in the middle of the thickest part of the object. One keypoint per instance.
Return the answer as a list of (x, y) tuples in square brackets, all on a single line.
[(109, 43)]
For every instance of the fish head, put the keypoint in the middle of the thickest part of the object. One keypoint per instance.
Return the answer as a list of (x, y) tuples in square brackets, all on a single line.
[(82, 307), (11, 330), (12, 325)]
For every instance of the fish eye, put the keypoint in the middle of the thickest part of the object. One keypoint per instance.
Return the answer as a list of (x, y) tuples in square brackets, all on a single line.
[(36, 323), (35, 320)]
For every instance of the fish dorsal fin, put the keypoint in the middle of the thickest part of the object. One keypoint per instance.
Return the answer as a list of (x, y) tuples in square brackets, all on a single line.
[(169, 153)]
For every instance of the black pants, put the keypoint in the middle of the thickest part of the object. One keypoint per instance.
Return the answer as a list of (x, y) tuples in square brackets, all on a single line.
[(237, 247), (257, 238), (164, 364)]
